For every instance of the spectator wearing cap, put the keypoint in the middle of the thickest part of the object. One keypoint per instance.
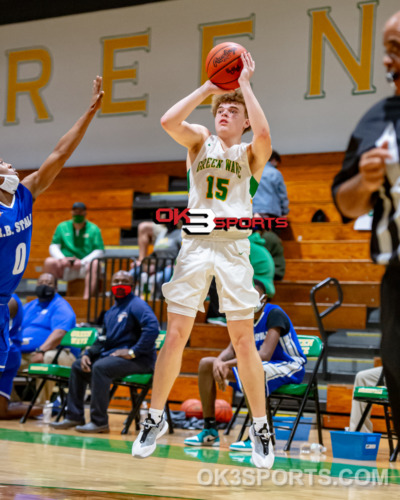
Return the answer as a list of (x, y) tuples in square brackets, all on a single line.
[(75, 244)]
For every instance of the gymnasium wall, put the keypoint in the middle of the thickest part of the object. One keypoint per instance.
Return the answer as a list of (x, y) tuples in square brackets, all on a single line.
[(318, 68)]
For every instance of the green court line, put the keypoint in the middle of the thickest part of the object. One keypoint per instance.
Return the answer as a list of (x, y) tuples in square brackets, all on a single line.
[(192, 454)]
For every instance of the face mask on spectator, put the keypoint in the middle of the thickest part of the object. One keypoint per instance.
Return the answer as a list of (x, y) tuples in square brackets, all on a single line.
[(260, 304), (45, 292), (78, 219), (10, 183), (121, 291)]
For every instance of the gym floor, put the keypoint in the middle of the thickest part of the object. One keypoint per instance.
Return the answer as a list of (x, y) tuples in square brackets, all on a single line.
[(39, 463)]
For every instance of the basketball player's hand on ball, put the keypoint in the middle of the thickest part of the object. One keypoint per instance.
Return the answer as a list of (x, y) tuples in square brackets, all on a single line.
[(97, 93), (373, 167), (215, 90), (248, 68)]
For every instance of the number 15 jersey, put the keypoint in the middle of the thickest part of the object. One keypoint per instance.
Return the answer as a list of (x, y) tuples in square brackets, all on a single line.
[(15, 241), (222, 181)]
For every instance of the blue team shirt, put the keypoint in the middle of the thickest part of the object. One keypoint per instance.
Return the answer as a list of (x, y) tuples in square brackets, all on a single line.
[(15, 241), (42, 318), (288, 358), (288, 348)]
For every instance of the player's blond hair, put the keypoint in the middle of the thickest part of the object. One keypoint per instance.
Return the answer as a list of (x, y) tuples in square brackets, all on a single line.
[(236, 96)]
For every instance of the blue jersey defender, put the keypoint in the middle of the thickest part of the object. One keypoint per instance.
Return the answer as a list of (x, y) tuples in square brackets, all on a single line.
[(16, 200)]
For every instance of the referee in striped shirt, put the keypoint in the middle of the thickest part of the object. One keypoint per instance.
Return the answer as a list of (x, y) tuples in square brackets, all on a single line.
[(370, 178)]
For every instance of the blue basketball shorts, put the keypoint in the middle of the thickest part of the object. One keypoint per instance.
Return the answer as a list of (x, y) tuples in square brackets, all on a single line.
[(4, 335)]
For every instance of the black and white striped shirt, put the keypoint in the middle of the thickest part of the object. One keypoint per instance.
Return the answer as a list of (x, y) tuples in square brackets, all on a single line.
[(385, 238)]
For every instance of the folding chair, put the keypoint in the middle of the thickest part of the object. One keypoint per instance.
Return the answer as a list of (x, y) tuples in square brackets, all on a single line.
[(325, 334), (232, 421), (377, 395), (312, 347), (140, 382), (77, 337)]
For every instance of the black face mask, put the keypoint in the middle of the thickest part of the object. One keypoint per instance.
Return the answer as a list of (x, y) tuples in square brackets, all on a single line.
[(45, 293)]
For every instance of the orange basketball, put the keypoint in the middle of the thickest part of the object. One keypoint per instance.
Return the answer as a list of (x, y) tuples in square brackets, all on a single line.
[(192, 408), (223, 411), (224, 65)]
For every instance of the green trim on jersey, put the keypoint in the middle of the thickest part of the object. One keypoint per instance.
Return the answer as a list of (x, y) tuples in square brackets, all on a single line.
[(253, 186), (188, 179)]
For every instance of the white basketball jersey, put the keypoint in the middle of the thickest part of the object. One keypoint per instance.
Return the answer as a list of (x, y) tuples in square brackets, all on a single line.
[(222, 181)]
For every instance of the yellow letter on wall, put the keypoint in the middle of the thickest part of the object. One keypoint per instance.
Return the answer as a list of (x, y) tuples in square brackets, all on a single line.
[(112, 75), (213, 34), (31, 87), (323, 29)]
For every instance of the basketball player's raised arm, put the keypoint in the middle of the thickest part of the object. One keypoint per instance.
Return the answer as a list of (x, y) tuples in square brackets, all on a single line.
[(260, 149), (174, 121), (40, 180)]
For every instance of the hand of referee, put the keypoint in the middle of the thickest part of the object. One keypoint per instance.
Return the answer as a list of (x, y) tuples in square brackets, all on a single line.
[(372, 167)]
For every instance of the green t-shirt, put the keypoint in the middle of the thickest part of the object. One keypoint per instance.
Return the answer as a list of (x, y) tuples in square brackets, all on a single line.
[(263, 263), (78, 243)]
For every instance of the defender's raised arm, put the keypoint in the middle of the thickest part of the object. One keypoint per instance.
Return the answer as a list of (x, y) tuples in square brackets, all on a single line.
[(40, 180)]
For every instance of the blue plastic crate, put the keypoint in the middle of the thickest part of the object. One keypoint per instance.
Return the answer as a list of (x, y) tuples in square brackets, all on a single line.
[(355, 445), (302, 431)]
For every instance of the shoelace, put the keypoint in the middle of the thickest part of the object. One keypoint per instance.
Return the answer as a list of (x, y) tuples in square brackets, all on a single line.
[(264, 438), (147, 426)]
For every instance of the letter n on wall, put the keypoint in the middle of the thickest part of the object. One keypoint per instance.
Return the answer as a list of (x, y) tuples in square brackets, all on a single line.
[(359, 68)]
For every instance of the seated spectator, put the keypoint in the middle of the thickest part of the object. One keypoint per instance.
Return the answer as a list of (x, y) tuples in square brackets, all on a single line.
[(264, 271), (281, 354), (271, 198), (126, 346), (46, 320), (75, 244), (273, 244), (156, 269), (148, 232), (9, 410), (363, 378)]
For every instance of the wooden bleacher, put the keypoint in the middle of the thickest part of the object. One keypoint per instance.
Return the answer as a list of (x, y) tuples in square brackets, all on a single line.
[(107, 191), (313, 251)]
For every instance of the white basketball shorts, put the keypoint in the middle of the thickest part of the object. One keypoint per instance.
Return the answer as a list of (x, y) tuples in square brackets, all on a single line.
[(198, 261)]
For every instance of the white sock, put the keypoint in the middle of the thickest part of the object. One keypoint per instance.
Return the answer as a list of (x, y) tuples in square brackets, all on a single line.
[(259, 423), (156, 415)]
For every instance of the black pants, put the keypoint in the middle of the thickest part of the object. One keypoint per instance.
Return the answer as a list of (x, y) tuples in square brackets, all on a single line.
[(104, 371), (390, 323)]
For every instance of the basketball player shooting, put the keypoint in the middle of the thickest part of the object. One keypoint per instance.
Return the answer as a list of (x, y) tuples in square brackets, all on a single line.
[(16, 200), (222, 171)]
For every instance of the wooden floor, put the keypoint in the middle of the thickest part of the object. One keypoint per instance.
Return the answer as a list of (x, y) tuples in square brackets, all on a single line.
[(36, 463)]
